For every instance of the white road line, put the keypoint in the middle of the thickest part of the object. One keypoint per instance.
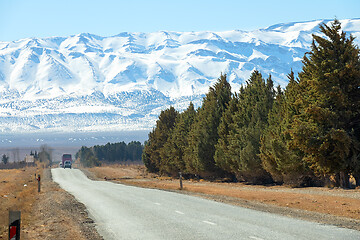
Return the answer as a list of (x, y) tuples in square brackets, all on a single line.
[(256, 238), (157, 203), (179, 212), (211, 223)]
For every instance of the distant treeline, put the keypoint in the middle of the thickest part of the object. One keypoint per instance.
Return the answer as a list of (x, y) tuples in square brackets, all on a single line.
[(110, 153), (42, 158), (305, 134)]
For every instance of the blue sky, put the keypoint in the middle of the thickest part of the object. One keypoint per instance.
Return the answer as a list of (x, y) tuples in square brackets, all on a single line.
[(44, 18)]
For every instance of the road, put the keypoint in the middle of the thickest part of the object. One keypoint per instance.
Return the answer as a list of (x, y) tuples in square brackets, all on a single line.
[(127, 212)]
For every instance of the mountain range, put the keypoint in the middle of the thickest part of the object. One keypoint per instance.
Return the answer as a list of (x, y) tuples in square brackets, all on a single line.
[(90, 83)]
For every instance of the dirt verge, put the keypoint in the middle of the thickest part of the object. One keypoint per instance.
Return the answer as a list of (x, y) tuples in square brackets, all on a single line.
[(51, 214), (17, 193), (58, 215)]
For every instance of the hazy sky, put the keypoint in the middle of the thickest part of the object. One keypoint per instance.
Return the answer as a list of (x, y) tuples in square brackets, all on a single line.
[(45, 18)]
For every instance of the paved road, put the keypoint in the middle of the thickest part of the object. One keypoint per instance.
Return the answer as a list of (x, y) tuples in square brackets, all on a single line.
[(126, 212)]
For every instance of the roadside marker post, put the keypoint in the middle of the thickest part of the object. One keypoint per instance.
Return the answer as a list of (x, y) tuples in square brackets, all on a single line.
[(181, 184), (39, 182), (14, 225)]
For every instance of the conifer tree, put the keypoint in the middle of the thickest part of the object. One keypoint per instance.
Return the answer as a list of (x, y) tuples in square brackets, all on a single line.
[(223, 160), (327, 127), (271, 142), (173, 152), (203, 136), (87, 157), (239, 140), (283, 162), (157, 138), (5, 159)]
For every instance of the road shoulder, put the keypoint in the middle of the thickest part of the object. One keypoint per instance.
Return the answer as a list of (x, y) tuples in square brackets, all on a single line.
[(58, 215)]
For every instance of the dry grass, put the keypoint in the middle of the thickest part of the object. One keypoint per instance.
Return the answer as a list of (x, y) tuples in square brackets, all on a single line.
[(338, 202), (18, 191), (119, 171)]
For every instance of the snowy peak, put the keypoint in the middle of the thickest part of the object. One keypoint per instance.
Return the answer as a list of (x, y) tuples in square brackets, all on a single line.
[(77, 81), (299, 34), (310, 26)]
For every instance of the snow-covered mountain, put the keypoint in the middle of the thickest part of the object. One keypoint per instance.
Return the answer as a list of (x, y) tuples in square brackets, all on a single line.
[(92, 83)]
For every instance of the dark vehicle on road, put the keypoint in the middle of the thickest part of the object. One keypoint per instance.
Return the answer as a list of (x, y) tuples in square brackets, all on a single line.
[(66, 160)]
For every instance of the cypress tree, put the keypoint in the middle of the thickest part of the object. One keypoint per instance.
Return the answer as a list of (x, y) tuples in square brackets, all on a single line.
[(173, 152), (203, 136), (157, 138), (240, 131), (223, 160), (5, 159), (283, 162), (272, 137), (327, 127)]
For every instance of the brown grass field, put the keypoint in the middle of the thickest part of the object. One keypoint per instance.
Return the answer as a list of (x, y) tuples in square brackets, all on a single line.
[(51, 214), (18, 191)]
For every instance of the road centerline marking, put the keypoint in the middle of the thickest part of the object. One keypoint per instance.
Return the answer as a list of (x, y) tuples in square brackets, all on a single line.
[(180, 212), (211, 223), (255, 238), (157, 203)]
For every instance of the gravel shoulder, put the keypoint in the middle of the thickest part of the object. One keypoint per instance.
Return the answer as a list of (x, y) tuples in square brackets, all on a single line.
[(58, 215)]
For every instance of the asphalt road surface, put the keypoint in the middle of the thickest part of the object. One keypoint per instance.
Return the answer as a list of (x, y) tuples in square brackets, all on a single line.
[(126, 212)]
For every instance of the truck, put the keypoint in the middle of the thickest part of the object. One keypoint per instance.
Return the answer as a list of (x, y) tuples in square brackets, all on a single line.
[(66, 160)]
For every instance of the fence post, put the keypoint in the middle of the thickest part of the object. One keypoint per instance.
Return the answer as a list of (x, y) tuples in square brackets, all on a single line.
[(181, 184), (14, 225)]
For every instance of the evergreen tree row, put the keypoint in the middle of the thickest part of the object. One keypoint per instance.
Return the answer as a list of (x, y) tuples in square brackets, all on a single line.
[(305, 134), (110, 153)]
